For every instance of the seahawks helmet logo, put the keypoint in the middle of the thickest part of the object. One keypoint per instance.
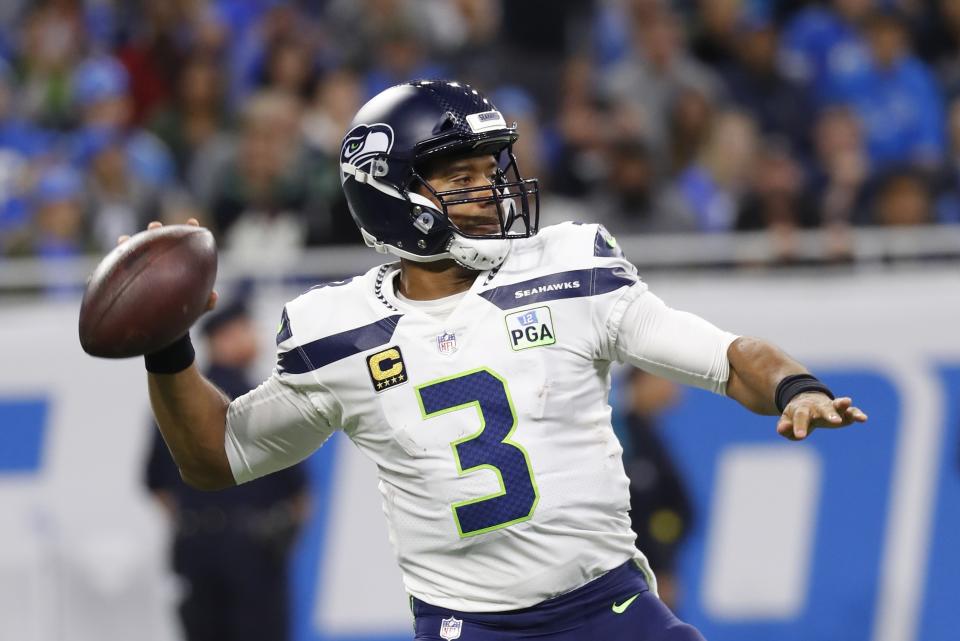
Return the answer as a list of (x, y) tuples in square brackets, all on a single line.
[(364, 143)]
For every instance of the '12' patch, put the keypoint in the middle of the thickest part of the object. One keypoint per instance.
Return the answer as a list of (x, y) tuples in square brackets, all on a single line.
[(386, 368), (530, 328)]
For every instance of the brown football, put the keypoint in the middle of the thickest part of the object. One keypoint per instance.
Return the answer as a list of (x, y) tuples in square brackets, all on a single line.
[(148, 291)]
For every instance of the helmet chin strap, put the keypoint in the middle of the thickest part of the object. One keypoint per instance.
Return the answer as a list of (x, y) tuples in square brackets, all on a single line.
[(479, 253)]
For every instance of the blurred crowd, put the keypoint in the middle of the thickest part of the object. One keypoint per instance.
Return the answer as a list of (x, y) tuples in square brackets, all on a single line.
[(647, 115)]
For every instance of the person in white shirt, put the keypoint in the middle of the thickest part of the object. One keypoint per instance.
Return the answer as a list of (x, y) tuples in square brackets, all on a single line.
[(475, 373)]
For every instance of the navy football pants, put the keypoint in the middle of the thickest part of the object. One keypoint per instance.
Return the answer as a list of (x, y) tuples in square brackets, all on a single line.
[(600, 610)]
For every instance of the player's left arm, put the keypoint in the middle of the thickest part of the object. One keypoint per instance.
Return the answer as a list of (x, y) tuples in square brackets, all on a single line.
[(760, 372), (687, 349), (645, 332)]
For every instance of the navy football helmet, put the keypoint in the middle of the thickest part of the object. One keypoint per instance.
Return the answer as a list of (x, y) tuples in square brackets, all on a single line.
[(391, 138)]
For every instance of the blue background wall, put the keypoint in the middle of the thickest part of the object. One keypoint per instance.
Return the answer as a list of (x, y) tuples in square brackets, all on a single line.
[(842, 589)]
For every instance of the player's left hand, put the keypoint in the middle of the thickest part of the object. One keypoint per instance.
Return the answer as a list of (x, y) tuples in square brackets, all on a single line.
[(811, 410)]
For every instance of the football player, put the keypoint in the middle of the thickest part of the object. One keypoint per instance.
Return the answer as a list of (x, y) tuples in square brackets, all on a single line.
[(474, 372)]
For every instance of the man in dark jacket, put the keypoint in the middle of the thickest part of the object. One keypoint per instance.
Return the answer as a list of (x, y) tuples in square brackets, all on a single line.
[(231, 548), (660, 507)]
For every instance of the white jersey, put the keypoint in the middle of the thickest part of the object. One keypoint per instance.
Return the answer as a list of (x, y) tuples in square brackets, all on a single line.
[(501, 478)]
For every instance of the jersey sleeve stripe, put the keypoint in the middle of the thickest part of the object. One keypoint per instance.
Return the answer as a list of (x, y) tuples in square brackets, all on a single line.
[(604, 244), (285, 332), (323, 351), (572, 284)]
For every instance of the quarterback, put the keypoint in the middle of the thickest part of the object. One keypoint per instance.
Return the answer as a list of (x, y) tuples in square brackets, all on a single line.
[(474, 372)]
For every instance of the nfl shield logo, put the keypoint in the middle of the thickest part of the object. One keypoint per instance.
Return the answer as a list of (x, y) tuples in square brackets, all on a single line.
[(447, 344), (451, 628)]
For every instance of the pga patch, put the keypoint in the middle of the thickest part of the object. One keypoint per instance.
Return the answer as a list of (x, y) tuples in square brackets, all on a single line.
[(530, 328), (386, 368)]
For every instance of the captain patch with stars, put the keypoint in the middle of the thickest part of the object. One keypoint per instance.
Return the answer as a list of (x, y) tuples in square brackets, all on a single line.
[(386, 368)]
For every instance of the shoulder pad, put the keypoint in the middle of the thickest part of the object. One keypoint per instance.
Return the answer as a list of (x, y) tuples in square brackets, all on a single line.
[(311, 337), (307, 316), (605, 245), (580, 242)]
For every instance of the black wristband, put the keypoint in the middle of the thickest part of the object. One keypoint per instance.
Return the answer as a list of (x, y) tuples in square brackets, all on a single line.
[(175, 357), (795, 384)]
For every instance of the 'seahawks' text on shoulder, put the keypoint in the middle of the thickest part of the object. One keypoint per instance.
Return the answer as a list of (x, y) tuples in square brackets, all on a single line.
[(570, 284)]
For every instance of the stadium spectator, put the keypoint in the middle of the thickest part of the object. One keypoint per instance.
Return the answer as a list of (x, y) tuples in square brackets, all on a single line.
[(895, 96), (401, 53), (57, 220), (757, 85), (939, 39), (656, 71), (357, 25), (14, 175), (778, 200), (778, 196), (336, 97), (611, 34), (715, 35), (839, 179), (577, 144), (464, 34), (691, 116), (195, 126), (19, 136), (939, 43), (631, 202), (536, 38), (231, 548), (21, 145), (120, 200), (11, 21), (208, 31), (253, 28), (710, 189), (842, 167), (822, 44), (178, 206), (290, 67), (260, 186), (273, 196), (902, 199), (947, 204), (661, 510), (153, 57), (52, 41), (100, 90), (579, 134)]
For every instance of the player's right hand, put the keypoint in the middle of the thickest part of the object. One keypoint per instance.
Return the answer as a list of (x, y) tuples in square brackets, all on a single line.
[(212, 301)]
